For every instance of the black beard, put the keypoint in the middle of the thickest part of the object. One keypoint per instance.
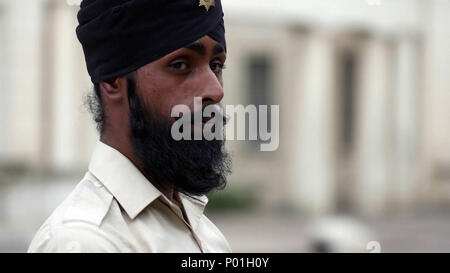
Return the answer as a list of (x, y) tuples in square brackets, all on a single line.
[(191, 167)]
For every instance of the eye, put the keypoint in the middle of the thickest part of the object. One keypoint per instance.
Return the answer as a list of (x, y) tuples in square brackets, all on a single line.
[(179, 65), (217, 66)]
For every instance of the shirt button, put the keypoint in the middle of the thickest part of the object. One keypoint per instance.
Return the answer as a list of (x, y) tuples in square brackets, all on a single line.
[(73, 246), (98, 184)]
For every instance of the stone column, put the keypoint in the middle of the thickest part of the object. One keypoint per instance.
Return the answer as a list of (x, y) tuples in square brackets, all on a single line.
[(313, 189), (373, 148), (66, 98), (3, 86), (434, 132), (405, 119), (23, 81)]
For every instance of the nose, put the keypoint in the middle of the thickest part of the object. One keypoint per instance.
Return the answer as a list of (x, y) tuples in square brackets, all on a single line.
[(211, 87)]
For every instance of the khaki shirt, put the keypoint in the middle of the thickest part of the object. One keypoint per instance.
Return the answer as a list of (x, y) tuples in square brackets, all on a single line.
[(116, 209)]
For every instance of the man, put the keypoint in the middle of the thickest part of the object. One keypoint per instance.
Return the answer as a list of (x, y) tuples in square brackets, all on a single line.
[(144, 191)]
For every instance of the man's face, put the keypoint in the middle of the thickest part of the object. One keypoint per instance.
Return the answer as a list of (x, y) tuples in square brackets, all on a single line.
[(193, 71), (189, 166)]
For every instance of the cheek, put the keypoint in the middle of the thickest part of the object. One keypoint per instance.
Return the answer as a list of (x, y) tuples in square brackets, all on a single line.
[(165, 96), (164, 91), (177, 93), (179, 97), (157, 92)]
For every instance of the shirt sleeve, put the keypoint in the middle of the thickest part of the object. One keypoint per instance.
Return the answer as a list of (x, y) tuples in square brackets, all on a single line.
[(72, 239)]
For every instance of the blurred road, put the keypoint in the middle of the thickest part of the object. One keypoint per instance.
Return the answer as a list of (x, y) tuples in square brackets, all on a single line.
[(285, 233)]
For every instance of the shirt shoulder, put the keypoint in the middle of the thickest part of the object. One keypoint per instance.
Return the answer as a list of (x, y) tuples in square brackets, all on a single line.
[(72, 239), (89, 202), (217, 242), (74, 226)]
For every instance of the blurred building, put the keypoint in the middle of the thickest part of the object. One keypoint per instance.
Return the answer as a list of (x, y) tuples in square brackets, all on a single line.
[(362, 85)]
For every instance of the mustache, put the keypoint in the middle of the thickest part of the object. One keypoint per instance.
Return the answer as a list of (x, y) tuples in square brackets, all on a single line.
[(218, 114)]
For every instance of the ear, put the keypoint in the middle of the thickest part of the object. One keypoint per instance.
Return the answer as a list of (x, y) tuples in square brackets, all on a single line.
[(114, 90)]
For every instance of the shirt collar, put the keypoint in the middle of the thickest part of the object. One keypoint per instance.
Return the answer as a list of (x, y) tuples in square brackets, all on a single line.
[(194, 207), (121, 177)]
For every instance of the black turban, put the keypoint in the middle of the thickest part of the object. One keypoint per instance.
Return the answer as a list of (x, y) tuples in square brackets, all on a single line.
[(119, 36)]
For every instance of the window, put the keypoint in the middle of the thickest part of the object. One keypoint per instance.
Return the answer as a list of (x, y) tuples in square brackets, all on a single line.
[(259, 90), (348, 93)]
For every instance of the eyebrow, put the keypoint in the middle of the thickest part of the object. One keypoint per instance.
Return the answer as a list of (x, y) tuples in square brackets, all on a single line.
[(201, 49), (218, 48)]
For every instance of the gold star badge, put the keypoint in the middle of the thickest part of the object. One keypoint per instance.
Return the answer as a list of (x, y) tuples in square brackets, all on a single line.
[(207, 4)]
